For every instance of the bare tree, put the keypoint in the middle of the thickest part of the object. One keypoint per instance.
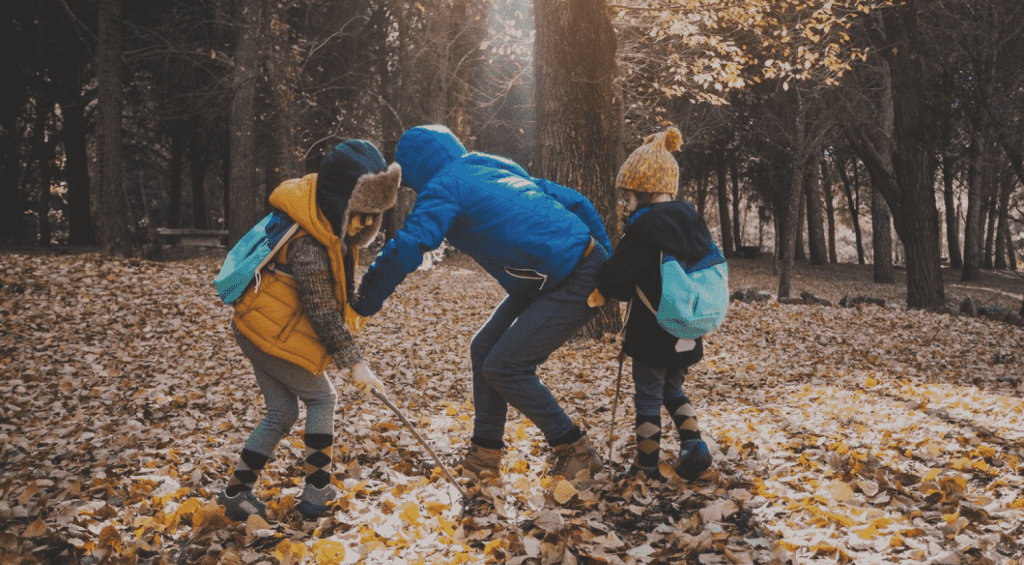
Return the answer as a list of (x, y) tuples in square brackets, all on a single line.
[(815, 229), (952, 219), (246, 193), (851, 188), (728, 246), (115, 227), (907, 184)]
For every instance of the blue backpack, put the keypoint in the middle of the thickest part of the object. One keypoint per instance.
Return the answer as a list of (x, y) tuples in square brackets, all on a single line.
[(693, 299), (252, 253)]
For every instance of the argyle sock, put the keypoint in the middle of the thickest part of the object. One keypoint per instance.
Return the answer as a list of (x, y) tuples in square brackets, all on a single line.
[(246, 472), (319, 448), (684, 417), (648, 440)]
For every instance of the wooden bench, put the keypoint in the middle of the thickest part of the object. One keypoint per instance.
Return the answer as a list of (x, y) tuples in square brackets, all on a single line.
[(748, 251), (187, 237)]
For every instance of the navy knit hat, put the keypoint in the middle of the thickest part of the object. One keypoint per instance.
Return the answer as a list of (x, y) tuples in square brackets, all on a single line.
[(355, 167)]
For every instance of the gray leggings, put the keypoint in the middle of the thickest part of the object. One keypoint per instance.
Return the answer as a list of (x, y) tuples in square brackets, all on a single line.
[(283, 384)]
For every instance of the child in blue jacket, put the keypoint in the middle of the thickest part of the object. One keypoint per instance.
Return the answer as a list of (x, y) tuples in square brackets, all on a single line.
[(655, 224), (544, 243)]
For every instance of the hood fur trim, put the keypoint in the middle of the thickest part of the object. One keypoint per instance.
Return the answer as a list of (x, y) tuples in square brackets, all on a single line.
[(373, 195)]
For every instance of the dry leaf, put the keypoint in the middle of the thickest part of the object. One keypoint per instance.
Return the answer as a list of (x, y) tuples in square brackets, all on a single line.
[(563, 491), (35, 529)]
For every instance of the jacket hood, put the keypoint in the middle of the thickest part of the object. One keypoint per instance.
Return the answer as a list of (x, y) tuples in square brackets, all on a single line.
[(297, 198), (679, 230), (423, 151)]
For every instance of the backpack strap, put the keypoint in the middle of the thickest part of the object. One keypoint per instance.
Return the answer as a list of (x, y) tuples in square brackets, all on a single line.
[(640, 293)]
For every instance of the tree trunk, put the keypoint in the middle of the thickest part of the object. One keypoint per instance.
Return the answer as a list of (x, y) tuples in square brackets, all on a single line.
[(881, 238), (952, 220), (1010, 250), (907, 184), (177, 159), (830, 210), (972, 223), (1003, 221), (280, 95), (881, 215), (197, 174), (737, 226), (76, 172), (799, 249), (815, 228), (115, 230), (852, 192), (914, 162), (579, 110), (723, 210), (392, 80), (990, 219), (702, 194), (246, 189), (791, 196), (11, 208), (787, 243), (45, 145)]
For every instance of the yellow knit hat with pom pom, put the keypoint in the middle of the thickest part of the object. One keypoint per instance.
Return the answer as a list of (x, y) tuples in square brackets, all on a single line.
[(651, 167)]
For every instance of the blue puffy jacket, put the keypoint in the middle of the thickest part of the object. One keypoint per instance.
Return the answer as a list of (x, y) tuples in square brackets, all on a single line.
[(528, 233)]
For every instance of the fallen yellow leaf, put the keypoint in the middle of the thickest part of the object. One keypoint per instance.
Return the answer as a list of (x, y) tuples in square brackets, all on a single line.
[(867, 533), (839, 491), (563, 491)]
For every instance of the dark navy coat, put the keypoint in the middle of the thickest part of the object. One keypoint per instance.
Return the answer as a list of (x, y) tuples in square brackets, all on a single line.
[(674, 228)]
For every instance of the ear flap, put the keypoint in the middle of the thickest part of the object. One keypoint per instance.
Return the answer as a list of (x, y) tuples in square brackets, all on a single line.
[(373, 195)]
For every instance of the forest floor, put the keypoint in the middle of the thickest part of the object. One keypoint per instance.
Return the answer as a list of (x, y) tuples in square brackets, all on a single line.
[(840, 435)]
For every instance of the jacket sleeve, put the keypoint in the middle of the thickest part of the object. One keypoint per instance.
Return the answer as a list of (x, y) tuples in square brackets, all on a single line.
[(311, 267), (425, 228), (621, 273), (580, 206)]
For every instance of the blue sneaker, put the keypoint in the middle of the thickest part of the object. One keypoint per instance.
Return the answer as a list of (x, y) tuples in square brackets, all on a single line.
[(694, 458), (242, 505), (316, 501)]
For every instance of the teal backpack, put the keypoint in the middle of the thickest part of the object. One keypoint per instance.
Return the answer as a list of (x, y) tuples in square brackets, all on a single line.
[(252, 253), (693, 300)]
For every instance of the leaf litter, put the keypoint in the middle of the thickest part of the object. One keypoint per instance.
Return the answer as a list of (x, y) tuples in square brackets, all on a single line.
[(860, 435)]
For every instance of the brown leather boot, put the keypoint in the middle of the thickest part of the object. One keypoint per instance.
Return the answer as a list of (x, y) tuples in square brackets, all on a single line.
[(481, 461), (572, 458)]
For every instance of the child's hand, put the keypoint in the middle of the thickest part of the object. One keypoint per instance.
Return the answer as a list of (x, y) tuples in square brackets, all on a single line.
[(364, 379)]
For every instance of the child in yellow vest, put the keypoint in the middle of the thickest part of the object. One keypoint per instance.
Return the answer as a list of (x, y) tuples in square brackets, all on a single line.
[(296, 320)]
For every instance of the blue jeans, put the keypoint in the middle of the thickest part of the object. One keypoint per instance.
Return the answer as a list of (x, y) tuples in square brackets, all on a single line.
[(654, 386), (520, 335)]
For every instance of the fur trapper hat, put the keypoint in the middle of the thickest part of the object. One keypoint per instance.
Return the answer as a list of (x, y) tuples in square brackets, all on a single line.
[(354, 187), (651, 167)]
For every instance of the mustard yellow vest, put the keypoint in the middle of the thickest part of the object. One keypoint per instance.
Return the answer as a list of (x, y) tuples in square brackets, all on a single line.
[(270, 314)]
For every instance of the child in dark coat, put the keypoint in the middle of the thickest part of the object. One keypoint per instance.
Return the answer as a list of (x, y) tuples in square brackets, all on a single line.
[(655, 224)]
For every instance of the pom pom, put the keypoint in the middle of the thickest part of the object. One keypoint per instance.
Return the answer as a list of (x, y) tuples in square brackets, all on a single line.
[(673, 139)]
